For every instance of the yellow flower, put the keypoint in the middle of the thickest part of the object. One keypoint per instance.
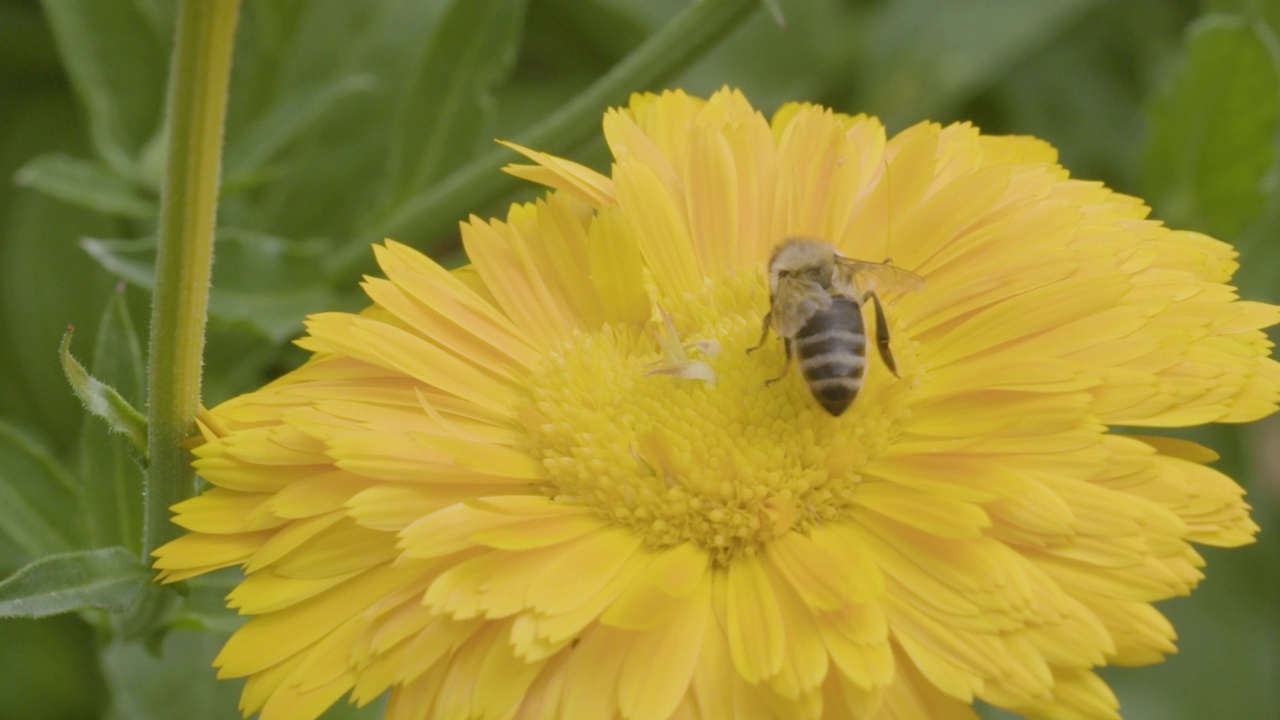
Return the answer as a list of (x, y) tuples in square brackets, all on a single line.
[(553, 484)]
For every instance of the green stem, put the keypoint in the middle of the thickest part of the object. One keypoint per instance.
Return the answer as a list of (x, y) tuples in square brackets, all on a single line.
[(479, 184), (196, 114)]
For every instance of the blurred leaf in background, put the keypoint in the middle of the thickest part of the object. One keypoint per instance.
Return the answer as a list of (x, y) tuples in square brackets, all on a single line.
[(1212, 130), (110, 477), (342, 111)]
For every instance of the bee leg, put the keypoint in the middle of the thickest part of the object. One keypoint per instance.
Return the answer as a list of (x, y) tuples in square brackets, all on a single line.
[(882, 333), (764, 333), (786, 365), (786, 343)]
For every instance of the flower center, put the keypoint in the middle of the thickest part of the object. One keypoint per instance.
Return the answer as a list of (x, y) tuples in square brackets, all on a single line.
[(727, 465)]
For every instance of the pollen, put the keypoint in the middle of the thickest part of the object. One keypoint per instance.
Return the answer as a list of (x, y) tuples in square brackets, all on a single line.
[(727, 466)]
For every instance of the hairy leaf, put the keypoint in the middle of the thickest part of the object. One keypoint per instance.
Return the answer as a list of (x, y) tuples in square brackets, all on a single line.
[(106, 578), (103, 400)]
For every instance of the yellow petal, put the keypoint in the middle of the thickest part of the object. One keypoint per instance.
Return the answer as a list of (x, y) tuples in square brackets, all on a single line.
[(931, 512), (617, 273), (584, 183), (661, 230), (813, 568), (462, 526), (451, 300), (270, 638), (916, 695), (221, 511), (806, 662), (660, 662), (502, 258), (857, 638), (196, 553), (591, 683), (336, 549), (582, 568), (752, 620), (393, 348), (265, 591)]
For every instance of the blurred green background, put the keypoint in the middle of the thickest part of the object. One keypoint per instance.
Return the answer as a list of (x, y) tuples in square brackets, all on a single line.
[(347, 119)]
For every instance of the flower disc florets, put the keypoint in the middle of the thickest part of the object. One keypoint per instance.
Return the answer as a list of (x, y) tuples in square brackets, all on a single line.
[(726, 462)]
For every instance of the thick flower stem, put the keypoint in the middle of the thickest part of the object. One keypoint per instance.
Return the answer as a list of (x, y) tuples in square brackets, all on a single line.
[(196, 115), (660, 58)]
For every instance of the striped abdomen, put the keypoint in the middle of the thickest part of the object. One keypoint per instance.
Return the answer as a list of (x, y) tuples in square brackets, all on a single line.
[(832, 349)]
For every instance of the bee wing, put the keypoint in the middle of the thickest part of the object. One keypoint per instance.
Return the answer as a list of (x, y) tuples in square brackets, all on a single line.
[(853, 278)]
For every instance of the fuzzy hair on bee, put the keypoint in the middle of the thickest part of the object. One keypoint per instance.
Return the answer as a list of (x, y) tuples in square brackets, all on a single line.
[(815, 304)]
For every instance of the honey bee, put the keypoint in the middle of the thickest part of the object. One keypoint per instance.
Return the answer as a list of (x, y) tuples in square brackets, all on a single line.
[(815, 304)]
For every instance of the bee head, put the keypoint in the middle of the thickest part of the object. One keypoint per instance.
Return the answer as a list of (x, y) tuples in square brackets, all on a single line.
[(802, 259)]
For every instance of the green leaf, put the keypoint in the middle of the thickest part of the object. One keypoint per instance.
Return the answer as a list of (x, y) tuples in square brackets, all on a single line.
[(335, 168), (25, 48), (129, 260), (1080, 89), (441, 121), (87, 184), (50, 669), (117, 62), (103, 400), (924, 57), (37, 499), (106, 579), (1267, 10), (110, 473), (662, 56), (264, 282), (176, 682), (775, 11), (1211, 133), (45, 282), (289, 118), (564, 46), (117, 352)]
